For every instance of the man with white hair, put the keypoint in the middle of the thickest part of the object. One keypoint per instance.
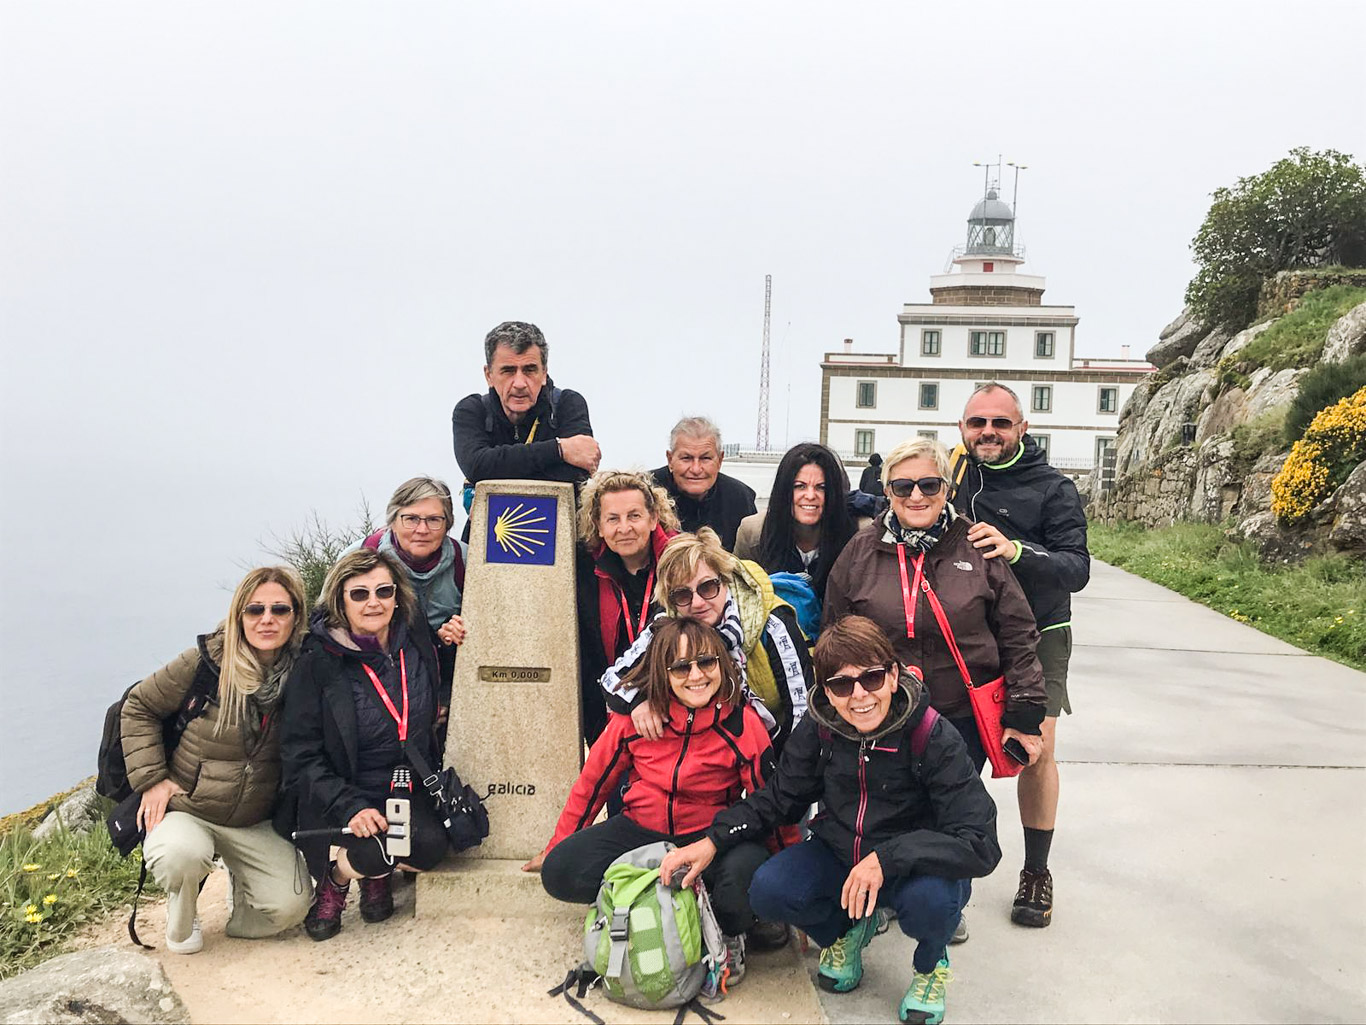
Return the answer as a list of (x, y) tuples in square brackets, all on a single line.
[(703, 495)]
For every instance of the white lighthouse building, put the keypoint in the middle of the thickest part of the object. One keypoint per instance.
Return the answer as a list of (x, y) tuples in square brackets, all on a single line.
[(985, 321)]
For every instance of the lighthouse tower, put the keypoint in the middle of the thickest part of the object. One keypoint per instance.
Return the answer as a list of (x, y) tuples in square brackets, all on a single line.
[(986, 269)]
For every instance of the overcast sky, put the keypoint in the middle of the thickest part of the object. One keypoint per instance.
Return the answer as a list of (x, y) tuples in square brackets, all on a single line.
[(249, 251)]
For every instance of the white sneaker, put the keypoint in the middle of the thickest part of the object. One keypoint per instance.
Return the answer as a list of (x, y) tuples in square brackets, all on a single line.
[(191, 944), (960, 932)]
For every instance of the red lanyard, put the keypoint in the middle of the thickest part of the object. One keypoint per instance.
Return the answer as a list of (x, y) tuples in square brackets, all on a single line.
[(644, 606), (908, 590), (384, 695)]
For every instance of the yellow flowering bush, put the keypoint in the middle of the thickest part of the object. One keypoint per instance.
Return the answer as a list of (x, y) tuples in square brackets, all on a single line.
[(1333, 444)]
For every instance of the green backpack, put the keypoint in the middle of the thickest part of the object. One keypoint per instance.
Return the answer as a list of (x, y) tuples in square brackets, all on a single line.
[(654, 946)]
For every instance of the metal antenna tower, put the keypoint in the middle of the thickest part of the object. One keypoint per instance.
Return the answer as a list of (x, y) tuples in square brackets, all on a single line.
[(761, 441)]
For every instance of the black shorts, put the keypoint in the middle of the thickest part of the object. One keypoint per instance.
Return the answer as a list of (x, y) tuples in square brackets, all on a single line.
[(1055, 652)]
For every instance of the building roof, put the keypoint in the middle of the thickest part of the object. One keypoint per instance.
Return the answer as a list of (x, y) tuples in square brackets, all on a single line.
[(991, 211)]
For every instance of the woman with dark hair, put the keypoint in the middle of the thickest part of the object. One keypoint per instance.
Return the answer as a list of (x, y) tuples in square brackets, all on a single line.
[(712, 749), (807, 522)]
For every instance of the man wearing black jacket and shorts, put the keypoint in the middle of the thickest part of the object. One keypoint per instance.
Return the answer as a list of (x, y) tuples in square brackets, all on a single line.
[(1029, 514)]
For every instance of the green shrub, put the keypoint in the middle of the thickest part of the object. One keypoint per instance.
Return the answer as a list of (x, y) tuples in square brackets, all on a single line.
[(313, 548), (1257, 437), (1324, 385), (1296, 340)]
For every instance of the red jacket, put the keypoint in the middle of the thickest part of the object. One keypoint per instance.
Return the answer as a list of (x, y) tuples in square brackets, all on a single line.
[(699, 767)]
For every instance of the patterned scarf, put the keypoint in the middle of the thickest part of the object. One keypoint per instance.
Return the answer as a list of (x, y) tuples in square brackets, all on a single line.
[(919, 540)]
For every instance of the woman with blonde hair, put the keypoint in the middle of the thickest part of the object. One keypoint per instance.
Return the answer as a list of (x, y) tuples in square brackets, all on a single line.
[(625, 520), (214, 794)]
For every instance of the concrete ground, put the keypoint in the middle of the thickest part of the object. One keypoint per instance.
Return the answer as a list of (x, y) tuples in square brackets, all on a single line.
[(1210, 857)]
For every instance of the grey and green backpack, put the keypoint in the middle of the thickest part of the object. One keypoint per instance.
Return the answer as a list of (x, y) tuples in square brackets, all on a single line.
[(654, 946)]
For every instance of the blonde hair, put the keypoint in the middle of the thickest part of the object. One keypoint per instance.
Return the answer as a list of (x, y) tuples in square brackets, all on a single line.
[(241, 671), (610, 482), (917, 448), (332, 598), (683, 554)]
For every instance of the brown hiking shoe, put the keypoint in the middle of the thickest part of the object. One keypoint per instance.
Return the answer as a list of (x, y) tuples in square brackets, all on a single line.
[(1034, 899)]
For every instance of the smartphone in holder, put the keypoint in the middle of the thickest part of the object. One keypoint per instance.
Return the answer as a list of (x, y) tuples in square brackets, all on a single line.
[(1016, 750)]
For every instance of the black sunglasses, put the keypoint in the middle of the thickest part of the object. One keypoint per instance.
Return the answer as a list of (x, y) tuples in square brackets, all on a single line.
[(362, 594), (681, 669), (1001, 423), (278, 609), (903, 487), (681, 597), (870, 679)]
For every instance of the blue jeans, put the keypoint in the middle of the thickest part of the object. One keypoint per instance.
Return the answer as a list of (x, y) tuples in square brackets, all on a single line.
[(801, 885)]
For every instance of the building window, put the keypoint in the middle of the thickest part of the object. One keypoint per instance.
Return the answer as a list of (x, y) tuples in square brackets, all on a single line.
[(988, 266), (929, 343), (1043, 399), (929, 396), (1042, 441), (986, 343), (1043, 345), (867, 395), (1109, 400), (863, 443), (932, 435)]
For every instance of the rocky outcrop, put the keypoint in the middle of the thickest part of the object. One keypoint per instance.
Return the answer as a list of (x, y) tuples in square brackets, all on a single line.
[(1346, 338), (1348, 530), (77, 814), (1179, 338), (104, 984)]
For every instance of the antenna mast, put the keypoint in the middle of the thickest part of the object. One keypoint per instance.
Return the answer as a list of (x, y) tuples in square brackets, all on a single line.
[(761, 441)]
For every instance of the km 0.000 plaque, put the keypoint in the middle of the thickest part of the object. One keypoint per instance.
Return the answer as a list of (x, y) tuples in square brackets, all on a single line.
[(513, 674)]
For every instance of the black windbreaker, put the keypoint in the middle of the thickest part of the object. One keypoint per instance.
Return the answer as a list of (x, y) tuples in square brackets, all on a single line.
[(1033, 503), (722, 508), (932, 819)]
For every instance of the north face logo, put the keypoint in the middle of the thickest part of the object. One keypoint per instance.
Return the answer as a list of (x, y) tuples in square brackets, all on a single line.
[(966, 567)]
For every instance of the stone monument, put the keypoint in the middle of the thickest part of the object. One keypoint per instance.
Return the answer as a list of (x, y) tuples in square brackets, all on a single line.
[(515, 722)]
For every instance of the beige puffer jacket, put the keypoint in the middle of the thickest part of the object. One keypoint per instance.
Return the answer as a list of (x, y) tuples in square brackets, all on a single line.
[(224, 782)]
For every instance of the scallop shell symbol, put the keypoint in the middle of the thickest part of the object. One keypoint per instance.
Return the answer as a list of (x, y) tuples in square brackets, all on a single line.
[(515, 530)]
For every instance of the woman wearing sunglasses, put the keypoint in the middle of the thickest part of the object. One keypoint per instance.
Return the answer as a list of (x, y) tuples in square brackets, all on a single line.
[(699, 578), (365, 691), (923, 542), (625, 520), (712, 749), (215, 792), (905, 823)]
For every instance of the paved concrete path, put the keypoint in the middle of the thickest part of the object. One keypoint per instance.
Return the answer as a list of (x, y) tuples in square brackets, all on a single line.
[(1210, 858)]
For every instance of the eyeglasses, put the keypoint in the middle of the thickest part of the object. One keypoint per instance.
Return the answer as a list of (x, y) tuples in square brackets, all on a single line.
[(903, 487), (681, 597), (360, 595), (278, 609), (1001, 423), (682, 669), (411, 520), (870, 679)]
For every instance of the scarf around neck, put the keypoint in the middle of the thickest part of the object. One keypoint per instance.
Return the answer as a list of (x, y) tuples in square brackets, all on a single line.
[(920, 540)]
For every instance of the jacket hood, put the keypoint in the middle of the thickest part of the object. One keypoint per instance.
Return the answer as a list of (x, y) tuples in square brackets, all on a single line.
[(908, 704)]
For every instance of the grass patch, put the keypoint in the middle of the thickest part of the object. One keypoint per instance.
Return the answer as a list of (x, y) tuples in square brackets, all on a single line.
[(1319, 605), (1255, 438), (51, 889), (1296, 340)]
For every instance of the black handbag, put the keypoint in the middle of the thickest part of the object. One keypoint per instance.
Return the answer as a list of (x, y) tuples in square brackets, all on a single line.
[(461, 809)]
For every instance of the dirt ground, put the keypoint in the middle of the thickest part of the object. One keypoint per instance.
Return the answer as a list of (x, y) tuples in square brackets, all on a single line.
[(421, 969)]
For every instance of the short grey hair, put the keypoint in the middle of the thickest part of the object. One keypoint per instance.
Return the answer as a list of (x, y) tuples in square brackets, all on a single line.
[(695, 427), (415, 490), (518, 336), (917, 448), (996, 386)]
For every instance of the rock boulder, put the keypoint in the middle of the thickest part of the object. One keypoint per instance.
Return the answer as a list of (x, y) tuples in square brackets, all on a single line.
[(1348, 532), (104, 984), (1179, 338), (78, 813), (1347, 337)]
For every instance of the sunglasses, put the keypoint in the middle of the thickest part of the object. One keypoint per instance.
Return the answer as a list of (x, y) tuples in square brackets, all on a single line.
[(362, 594), (904, 487), (870, 679), (278, 609), (1001, 423), (681, 597), (682, 669)]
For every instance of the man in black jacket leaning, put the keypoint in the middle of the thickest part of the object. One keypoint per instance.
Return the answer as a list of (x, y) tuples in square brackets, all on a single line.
[(1029, 514), (703, 495), (523, 427)]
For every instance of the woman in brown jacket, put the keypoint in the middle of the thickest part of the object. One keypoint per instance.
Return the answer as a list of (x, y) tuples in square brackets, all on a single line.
[(216, 793), (982, 600)]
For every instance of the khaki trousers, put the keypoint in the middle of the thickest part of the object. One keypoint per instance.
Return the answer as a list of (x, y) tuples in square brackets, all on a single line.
[(271, 889)]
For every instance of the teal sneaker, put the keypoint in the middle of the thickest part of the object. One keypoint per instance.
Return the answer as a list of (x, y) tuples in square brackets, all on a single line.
[(841, 968), (924, 1001)]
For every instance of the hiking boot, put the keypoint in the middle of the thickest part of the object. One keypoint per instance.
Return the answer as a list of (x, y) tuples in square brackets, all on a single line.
[(960, 931), (191, 944), (1034, 899), (924, 1001), (766, 936), (841, 968), (735, 960), (324, 918), (376, 898)]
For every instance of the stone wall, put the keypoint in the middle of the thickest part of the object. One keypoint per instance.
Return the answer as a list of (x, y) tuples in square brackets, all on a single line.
[(987, 295), (1282, 293)]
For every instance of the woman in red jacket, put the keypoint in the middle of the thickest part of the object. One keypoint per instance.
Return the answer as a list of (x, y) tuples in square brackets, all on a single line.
[(714, 749)]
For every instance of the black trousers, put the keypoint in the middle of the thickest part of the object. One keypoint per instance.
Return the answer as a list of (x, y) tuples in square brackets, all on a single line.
[(428, 839), (573, 870)]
